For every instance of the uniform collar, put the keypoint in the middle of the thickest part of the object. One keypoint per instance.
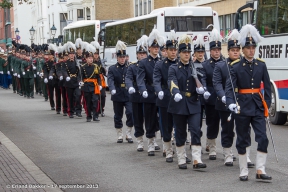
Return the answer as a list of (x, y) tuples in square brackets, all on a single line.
[(155, 59), (249, 62)]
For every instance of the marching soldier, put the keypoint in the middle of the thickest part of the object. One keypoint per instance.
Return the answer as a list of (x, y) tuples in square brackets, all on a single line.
[(146, 88), (20, 75), (185, 105), (71, 75), (11, 65), (50, 79), (97, 60), (160, 81), (212, 115), (27, 72), (40, 66), (79, 50), (250, 106), (134, 94), (119, 94), (91, 83)]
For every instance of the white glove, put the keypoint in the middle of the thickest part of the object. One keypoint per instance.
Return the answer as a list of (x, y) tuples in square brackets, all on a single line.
[(233, 107), (50, 77), (131, 90), (8, 72), (34, 68), (41, 74), (23, 73), (37, 73), (18, 76), (67, 78), (12, 69), (15, 74), (45, 80), (145, 94), (223, 99), (1, 72), (34, 75), (177, 97), (61, 78), (161, 95), (113, 92), (81, 83), (100, 87), (200, 90), (206, 95)]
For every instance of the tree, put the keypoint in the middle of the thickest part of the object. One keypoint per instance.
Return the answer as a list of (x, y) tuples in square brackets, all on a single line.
[(8, 3)]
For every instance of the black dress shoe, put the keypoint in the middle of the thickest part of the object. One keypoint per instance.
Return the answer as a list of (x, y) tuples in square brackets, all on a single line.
[(212, 157), (28, 97), (52, 108), (250, 165), (164, 154), (229, 164), (234, 158), (32, 97), (64, 114), (140, 149), (46, 99), (183, 166), (120, 141), (102, 115), (58, 112), (157, 148), (263, 177), (71, 116), (78, 115), (14, 91), (188, 160), (199, 166), (130, 140), (151, 153), (89, 120), (21, 94), (243, 178), (24, 95), (169, 159), (95, 119)]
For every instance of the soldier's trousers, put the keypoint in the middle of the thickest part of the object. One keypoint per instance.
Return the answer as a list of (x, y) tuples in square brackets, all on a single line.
[(73, 102), (227, 131), (38, 79), (180, 123), (103, 100), (51, 89), (36, 83), (5, 81), (22, 86), (44, 89), (212, 121), (118, 108), (91, 104), (64, 99), (151, 119), (137, 113), (166, 123), (243, 134), (14, 83), (29, 86)]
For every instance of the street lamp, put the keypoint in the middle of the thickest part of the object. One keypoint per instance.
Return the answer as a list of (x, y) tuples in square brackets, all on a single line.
[(17, 34), (53, 32), (32, 32)]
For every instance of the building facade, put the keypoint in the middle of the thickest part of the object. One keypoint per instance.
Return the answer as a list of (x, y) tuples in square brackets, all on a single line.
[(6, 27)]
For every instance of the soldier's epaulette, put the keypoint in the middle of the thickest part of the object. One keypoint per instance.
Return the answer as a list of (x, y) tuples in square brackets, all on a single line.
[(84, 64), (260, 60), (236, 61)]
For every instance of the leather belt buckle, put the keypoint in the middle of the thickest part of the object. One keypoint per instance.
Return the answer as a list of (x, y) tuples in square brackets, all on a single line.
[(236, 90), (187, 94), (71, 75), (122, 85)]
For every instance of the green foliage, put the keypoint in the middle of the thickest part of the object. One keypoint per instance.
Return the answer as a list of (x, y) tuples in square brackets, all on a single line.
[(8, 3)]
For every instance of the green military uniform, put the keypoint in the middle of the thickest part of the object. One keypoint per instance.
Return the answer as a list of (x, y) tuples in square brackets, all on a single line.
[(11, 60), (21, 89), (28, 76), (43, 85)]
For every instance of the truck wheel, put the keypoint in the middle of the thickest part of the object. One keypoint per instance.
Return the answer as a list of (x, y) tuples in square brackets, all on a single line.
[(276, 118)]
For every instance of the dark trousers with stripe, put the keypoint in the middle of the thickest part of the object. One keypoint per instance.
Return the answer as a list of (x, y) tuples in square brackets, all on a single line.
[(73, 100), (151, 119), (118, 108), (57, 89), (243, 131), (64, 99), (29, 86), (138, 119), (166, 124), (212, 121), (180, 122), (91, 104)]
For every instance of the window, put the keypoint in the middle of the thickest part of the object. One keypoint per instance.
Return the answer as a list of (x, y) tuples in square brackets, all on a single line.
[(142, 7), (86, 33), (63, 23), (62, 0), (80, 14), (136, 8), (187, 23), (228, 24), (145, 7), (129, 32), (272, 17)]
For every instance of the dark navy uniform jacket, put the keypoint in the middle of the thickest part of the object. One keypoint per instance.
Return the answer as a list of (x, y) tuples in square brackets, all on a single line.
[(47, 67), (248, 76), (208, 69), (69, 69), (220, 75), (116, 81), (90, 72), (181, 81), (130, 81), (145, 78), (199, 67), (56, 72), (160, 81)]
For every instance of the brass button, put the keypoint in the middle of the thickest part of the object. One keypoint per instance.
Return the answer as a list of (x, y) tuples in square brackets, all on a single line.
[(252, 83), (187, 81), (187, 85), (187, 89), (252, 88), (252, 79)]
